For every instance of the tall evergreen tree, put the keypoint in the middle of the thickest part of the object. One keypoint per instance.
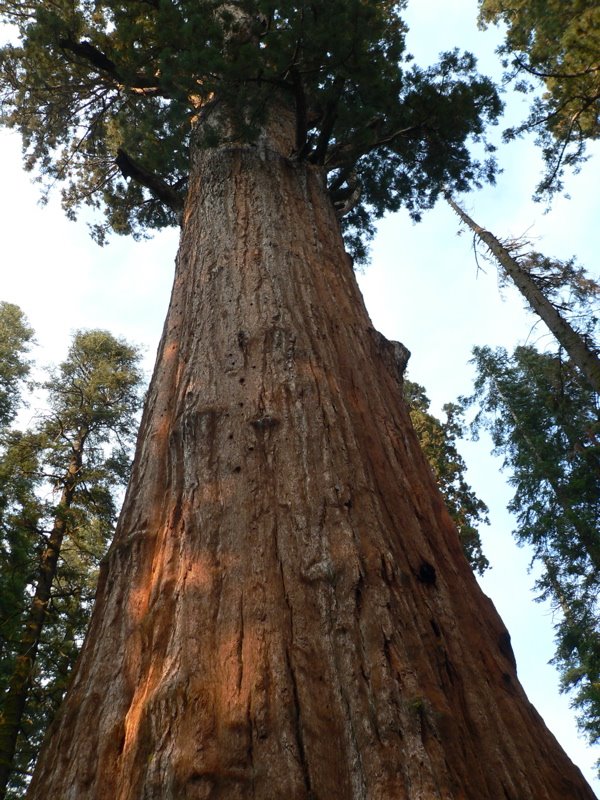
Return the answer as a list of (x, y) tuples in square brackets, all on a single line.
[(59, 483), (544, 419), (552, 49), (15, 338), (285, 608), (15, 466)]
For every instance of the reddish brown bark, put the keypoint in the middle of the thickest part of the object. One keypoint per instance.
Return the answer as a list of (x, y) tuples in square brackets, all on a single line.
[(286, 611)]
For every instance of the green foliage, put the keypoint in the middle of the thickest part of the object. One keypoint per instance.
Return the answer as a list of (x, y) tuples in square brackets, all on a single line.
[(555, 44), (106, 96), (20, 509), (438, 441), (566, 284), (15, 337), (545, 421), (93, 398)]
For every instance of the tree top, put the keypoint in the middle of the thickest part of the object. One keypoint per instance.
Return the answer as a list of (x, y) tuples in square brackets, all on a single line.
[(553, 46), (106, 95)]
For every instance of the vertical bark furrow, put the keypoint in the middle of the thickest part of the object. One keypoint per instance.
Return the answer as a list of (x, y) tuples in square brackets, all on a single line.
[(299, 728)]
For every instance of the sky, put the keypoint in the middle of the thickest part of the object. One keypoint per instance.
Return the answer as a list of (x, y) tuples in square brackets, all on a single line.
[(423, 287)]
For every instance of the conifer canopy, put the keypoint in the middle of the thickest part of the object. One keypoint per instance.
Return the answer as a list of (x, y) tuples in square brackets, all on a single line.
[(555, 46), (106, 94)]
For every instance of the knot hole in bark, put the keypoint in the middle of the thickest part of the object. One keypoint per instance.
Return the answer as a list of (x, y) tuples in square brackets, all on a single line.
[(427, 574), (264, 423)]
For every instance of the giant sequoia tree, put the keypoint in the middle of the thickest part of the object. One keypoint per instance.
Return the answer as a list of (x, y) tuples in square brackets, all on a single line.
[(285, 609)]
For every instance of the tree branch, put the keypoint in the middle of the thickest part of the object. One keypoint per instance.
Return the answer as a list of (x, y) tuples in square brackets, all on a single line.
[(163, 191), (329, 118), (91, 54), (527, 67), (301, 112), (103, 64), (344, 200), (348, 154)]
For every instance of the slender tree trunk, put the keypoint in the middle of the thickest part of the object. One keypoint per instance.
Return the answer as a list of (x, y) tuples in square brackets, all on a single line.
[(15, 698), (285, 610), (574, 344)]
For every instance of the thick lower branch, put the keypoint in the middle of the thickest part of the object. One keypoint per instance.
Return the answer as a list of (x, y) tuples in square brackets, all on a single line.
[(349, 153), (155, 184), (106, 66)]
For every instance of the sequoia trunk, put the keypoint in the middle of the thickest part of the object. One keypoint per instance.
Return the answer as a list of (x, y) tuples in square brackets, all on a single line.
[(286, 611)]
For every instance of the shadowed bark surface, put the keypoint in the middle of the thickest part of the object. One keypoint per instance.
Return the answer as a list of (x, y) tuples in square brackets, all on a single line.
[(286, 611)]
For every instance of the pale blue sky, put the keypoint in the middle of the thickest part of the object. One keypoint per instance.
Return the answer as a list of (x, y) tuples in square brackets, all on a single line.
[(421, 288)]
